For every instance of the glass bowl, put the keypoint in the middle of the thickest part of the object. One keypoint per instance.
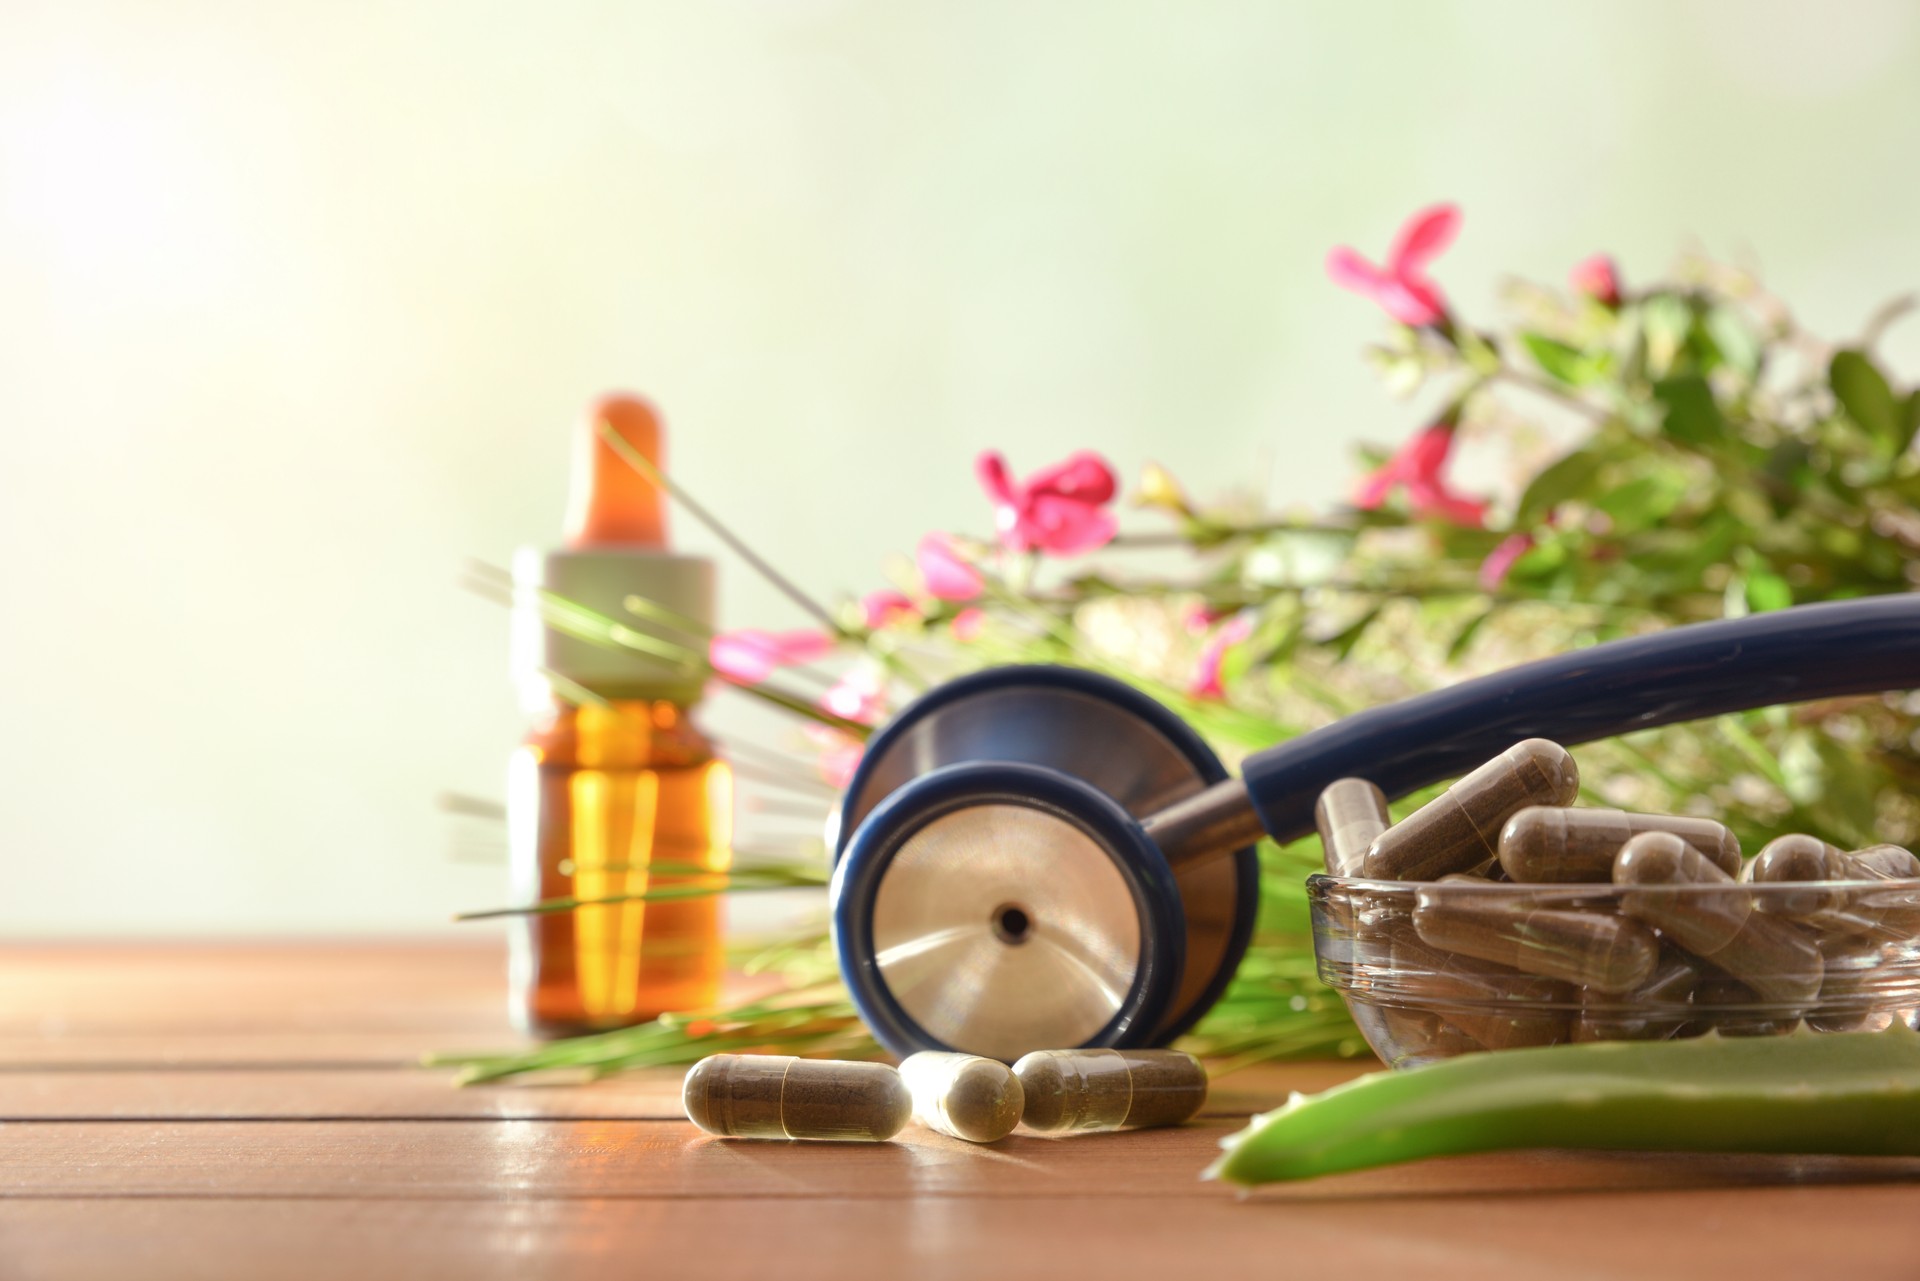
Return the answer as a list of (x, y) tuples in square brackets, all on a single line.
[(1435, 969)]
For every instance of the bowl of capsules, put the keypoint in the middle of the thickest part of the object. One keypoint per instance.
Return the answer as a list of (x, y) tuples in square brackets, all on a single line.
[(1501, 916)]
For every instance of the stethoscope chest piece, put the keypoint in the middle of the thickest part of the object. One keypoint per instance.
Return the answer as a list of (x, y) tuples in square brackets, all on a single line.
[(1007, 900)]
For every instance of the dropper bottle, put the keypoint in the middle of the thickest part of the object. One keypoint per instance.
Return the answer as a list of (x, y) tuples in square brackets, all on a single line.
[(615, 792)]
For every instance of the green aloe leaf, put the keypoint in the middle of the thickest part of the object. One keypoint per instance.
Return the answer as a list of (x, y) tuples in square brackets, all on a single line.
[(1813, 1092)]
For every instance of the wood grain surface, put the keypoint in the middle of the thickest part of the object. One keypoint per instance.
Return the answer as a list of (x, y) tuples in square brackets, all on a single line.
[(255, 1111)]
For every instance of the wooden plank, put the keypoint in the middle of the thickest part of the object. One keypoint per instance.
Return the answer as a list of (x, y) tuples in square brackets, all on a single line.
[(1859, 1234), (427, 987), (160, 1050), (638, 1159), (421, 1094)]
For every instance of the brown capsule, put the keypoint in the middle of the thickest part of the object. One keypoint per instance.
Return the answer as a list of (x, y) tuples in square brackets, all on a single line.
[(766, 1096), (1070, 1091), (1584, 948), (1732, 1008), (963, 1095), (1852, 998), (1547, 843), (1885, 863), (1654, 1011), (1798, 857), (1458, 830), (1689, 899), (1499, 1007), (1350, 813), (1775, 959), (1675, 890), (1404, 1037)]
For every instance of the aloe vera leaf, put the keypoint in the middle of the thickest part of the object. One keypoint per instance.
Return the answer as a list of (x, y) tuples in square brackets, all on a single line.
[(1847, 1093)]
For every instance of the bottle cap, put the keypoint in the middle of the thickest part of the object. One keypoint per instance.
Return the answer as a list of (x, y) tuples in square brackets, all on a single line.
[(616, 548)]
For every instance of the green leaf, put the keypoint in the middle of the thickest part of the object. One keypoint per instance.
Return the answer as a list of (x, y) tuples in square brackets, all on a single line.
[(1910, 423), (1343, 641), (1766, 590), (1692, 416), (1643, 503), (1566, 478), (1463, 638), (1863, 392), (1737, 344), (1665, 320), (1561, 362)]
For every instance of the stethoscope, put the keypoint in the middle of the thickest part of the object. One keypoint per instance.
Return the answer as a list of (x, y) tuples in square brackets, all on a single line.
[(1045, 857)]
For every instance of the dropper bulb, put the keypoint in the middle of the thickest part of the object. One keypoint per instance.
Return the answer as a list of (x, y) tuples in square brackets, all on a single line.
[(610, 503)]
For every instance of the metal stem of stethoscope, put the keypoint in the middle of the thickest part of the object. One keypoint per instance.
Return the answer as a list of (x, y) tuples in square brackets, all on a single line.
[(1033, 858)]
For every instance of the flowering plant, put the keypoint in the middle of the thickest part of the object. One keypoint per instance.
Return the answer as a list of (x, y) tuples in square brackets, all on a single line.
[(1672, 452)]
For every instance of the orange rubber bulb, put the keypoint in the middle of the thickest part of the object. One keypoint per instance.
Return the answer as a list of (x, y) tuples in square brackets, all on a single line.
[(610, 503)]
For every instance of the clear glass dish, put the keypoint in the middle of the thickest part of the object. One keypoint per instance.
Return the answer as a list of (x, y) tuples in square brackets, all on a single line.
[(1431, 970)]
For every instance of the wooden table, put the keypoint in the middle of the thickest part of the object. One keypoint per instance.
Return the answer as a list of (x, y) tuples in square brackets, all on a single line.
[(254, 1111)]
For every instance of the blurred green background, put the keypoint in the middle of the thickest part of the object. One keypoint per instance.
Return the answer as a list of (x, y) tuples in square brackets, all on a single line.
[(298, 303)]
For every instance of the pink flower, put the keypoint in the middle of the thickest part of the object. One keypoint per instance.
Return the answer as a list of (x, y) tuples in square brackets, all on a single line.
[(967, 623), (884, 608), (1597, 278), (1417, 468), (838, 762), (750, 656), (1059, 509), (1499, 562), (1205, 682), (1401, 287), (947, 576), (857, 696)]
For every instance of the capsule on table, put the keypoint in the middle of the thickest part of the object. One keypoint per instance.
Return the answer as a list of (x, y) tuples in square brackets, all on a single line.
[(1584, 948), (1653, 1011), (1074, 1091), (1350, 813), (766, 1096), (1550, 843), (1457, 830), (963, 1095)]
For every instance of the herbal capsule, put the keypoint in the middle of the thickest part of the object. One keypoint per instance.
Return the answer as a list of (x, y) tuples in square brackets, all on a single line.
[(1799, 857), (963, 1095), (1685, 902), (1653, 1011), (1408, 1037), (1701, 920), (1071, 1091), (1884, 863), (1350, 813), (1587, 948), (1547, 843), (1457, 830), (764, 1096), (1893, 911), (1848, 988), (1720, 1001), (1499, 1007)]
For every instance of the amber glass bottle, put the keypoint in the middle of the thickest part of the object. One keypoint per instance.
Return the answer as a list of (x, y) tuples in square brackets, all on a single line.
[(615, 793), (614, 800)]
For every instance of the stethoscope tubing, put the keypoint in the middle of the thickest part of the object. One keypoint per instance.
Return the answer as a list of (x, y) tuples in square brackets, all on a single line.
[(1807, 652)]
